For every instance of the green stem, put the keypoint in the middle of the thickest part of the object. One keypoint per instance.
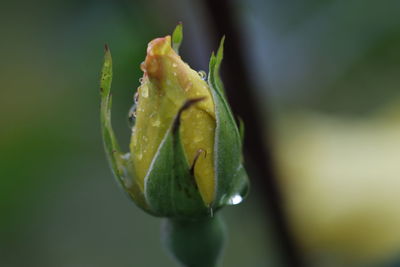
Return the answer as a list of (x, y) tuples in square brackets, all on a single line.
[(195, 243)]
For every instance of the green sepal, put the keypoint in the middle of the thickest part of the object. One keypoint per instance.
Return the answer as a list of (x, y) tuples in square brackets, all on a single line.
[(120, 163), (241, 129), (231, 177), (214, 66), (170, 186), (177, 37)]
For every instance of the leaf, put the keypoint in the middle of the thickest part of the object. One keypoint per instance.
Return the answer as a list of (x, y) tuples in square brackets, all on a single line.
[(177, 37), (120, 164), (231, 177), (170, 188)]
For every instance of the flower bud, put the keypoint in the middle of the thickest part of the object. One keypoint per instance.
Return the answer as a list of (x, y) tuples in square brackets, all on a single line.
[(186, 151)]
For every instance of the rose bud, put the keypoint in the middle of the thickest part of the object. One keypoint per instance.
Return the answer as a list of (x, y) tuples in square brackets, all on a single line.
[(185, 155)]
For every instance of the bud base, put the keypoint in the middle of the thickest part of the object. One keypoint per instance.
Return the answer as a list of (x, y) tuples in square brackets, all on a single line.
[(195, 243)]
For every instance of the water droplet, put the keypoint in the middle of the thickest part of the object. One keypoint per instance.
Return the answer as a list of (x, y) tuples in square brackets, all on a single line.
[(174, 73), (141, 80), (134, 139), (235, 199), (202, 74), (126, 180), (132, 116), (156, 123), (198, 139), (174, 65), (126, 156), (136, 97), (188, 87), (145, 91), (124, 173)]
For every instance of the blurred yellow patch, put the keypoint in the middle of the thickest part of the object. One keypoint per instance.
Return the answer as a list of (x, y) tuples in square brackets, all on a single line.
[(341, 179)]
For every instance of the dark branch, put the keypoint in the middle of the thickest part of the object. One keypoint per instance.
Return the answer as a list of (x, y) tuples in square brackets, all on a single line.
[(241, 95)]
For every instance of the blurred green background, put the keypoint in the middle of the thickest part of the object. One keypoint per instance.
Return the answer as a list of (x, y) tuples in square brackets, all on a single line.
[(327, 76)]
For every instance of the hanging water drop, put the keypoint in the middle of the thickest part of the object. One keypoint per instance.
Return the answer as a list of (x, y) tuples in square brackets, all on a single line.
[(235, 199), (202, 74), (132, 116), (141, 80)]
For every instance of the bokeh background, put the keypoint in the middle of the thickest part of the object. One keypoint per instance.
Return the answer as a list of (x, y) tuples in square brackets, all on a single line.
[(325, 81)]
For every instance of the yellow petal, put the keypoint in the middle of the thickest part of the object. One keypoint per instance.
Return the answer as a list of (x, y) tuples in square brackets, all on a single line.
[(166, 84)]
